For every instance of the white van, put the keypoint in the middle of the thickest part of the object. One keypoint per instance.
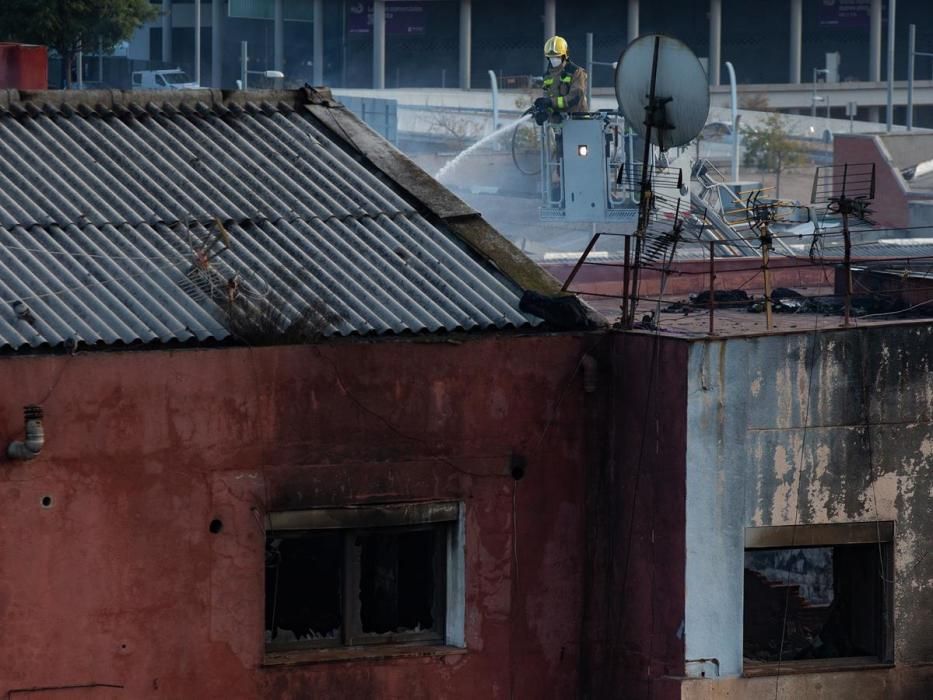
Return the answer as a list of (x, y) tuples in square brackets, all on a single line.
[(170, 79)]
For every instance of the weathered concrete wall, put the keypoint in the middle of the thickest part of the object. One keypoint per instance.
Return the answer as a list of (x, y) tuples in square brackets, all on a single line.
[(120, 582), (903, 683), (824, 427)]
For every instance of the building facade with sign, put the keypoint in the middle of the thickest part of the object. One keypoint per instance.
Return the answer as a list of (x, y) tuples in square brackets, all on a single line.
[(422, 38)]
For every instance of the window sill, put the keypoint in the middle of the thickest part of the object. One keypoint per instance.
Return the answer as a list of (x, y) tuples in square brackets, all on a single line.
[(295, 657), (755, 669)]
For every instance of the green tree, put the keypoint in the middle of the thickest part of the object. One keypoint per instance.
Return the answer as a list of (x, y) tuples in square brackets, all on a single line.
[(771, 148), (68, 26)]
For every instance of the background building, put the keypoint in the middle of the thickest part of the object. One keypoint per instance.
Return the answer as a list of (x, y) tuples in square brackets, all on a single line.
[(767, 42)]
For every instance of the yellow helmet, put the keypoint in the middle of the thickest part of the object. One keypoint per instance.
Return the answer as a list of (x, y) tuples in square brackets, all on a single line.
[(555, 46)]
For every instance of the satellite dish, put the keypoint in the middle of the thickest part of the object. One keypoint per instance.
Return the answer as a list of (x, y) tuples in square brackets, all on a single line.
[(681, 89)]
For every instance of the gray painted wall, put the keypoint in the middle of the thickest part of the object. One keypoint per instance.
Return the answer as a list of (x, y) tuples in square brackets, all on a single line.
[(770, 442)]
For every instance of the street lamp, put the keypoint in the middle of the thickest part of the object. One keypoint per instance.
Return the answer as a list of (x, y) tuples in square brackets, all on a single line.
[(244, 56)]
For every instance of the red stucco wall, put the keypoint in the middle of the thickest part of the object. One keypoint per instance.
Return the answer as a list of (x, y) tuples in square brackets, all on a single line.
[(120, 582)]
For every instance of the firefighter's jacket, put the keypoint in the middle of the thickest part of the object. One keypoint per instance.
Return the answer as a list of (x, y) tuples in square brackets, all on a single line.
[(566, 86)]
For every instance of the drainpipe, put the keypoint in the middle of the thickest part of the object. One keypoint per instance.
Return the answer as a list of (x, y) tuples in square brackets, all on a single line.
[(35, 436)]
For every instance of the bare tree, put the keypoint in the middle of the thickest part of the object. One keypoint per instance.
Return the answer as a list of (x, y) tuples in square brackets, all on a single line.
[(771, 148)]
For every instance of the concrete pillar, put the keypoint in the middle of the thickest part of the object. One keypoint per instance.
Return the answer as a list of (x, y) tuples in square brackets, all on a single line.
[(379, 44), (892, 9), (632, 23), (217, 43), (166, 31), (874, 54), (317, 58), (715, 40), (550, 18), (197, 42), (466, 39), (796, 40), (278, 38), (874, 42)]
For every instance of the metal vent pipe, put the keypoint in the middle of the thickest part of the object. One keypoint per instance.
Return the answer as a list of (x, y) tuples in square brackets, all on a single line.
[(35, 436)]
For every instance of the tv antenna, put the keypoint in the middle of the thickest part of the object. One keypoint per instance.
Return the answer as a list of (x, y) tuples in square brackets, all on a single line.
[(846, 189), (663, 92), (761, 215)]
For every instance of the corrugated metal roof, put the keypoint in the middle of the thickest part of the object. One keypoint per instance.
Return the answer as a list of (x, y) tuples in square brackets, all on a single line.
[(164, 222)]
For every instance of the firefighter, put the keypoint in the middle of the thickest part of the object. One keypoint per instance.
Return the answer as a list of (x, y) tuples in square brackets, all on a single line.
[(564, 82)]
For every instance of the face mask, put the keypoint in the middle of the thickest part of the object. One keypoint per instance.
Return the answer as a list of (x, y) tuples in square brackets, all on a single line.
[(555, 61)]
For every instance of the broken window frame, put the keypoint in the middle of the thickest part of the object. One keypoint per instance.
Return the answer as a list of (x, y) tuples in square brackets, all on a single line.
[(878, 533), (353, 624), (444, 519)]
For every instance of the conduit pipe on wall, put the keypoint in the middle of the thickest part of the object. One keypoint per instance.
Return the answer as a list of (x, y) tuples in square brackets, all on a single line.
[(35, 436)]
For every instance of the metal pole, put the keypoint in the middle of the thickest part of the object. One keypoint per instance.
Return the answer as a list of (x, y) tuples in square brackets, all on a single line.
[(712, 284), (765, 251), (550, 18), (813, 99), (874, 43), (217, 44), (890, 115), (796, 41), (644, 189), (466, 40), (715, 37), (100, 60), (631, 25), (379, 44), (80, 68), (197, 42), (735, 122), (736, 143), (625, 280), (911, 48), (166, 31), (317, 57), (244, 59), (874, 55), (343, 43), (494, 84), (589, 69), (278, 38)]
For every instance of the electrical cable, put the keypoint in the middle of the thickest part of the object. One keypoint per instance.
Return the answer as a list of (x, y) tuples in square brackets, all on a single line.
[(803, 263)]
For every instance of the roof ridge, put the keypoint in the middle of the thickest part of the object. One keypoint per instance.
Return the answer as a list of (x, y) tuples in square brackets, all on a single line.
[(108, 99)]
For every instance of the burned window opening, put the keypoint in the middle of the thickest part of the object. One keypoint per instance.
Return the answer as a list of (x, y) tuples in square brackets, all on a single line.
[(397, 581), (823, 602), (304, 582), (351, 586)]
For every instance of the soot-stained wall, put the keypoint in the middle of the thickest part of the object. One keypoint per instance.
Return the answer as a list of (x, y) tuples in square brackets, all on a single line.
[(117, 579), (635, 523), (809, 428)]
